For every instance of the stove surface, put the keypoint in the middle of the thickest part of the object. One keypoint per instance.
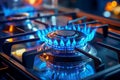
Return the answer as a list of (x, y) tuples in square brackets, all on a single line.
[(58, 47)]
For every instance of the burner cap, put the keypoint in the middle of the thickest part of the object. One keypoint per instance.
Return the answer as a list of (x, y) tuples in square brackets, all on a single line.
[(18, 16), (66, 34), (65, 39)]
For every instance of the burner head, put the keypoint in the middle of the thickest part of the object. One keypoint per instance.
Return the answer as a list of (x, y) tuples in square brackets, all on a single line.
[(66, 34), (63, 58), (63, 47), (63, 41), (18, 16), (66, 37)]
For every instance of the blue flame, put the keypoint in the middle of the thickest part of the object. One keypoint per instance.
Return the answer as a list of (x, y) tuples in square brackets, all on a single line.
[(67, 43), (56, 42), (43, 33), (66, 27), (74, 28), (91, 35), (81, 42), (78, 28), (46, 31), (54, 28), (49, 29), (69, 28), (88, 30), (8, 12), (62, 43), (50, 41), (74, 42)]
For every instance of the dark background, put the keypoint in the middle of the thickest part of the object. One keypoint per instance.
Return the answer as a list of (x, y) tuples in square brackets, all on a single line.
[(90, 6)]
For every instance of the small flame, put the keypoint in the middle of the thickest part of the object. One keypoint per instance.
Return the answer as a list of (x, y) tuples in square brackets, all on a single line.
[(68, 42), (74, 28), (62, 43), (74, 42), (56, 42), (88, 30), (50, 41), (81, 42), (11, 28), (78, 28)]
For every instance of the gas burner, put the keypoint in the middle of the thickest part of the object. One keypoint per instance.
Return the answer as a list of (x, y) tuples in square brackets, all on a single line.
[(67, 37), (63, 41), (63, 60), (58, 52), (61, 65), (63, 38)]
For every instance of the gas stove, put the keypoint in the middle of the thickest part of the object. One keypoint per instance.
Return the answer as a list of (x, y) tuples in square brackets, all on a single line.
[(58, 46)]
